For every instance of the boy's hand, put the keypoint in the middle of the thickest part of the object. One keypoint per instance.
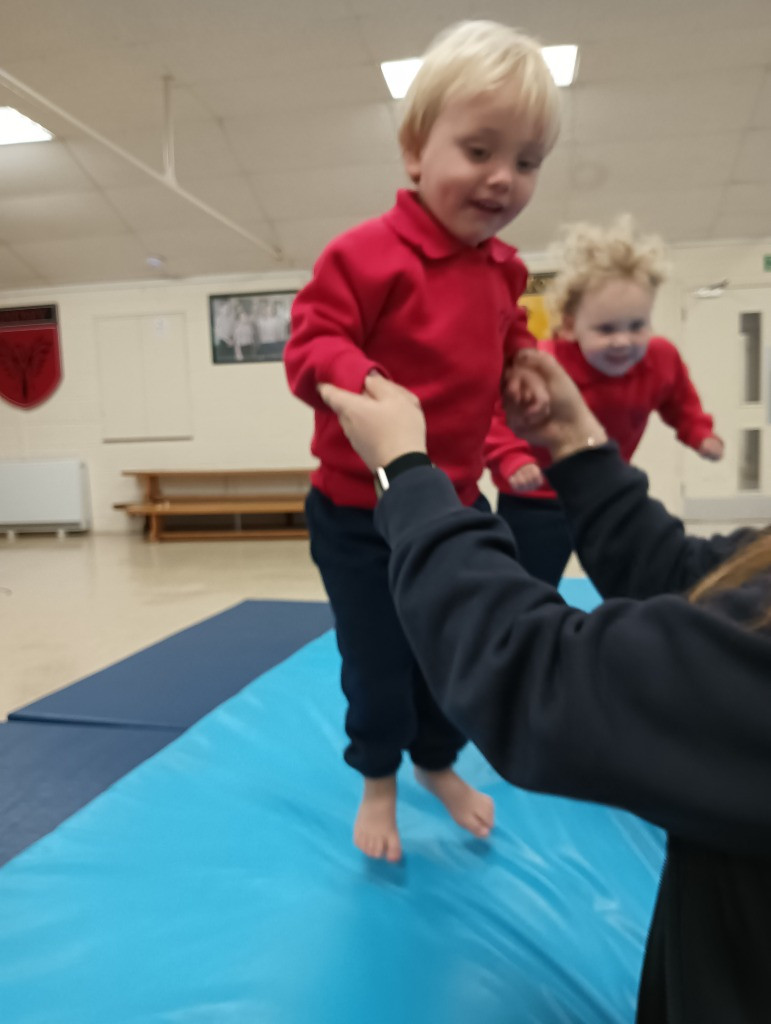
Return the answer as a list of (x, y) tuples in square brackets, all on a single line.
[(569, 424), (382, 423), (528, 389), (711, 448), (527, 478)]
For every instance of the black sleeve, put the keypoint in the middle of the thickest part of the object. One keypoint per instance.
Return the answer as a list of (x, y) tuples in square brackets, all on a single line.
[(658, 707), (627, 542)]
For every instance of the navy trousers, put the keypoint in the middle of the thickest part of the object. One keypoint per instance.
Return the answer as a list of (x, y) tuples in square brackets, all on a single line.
[(390, 708), (541, 531)]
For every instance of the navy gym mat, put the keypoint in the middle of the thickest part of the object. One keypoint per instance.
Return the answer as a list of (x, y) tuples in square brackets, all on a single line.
[(216, 883), (48, 771), (174, 682)]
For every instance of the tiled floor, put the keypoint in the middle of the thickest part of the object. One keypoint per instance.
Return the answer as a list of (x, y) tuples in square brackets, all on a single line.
[(71, 606)]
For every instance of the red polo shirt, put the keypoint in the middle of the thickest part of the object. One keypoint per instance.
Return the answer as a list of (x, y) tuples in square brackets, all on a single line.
[(658, 383), (399, 294)]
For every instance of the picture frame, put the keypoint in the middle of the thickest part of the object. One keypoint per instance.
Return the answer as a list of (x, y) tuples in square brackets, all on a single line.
[(249, 327)]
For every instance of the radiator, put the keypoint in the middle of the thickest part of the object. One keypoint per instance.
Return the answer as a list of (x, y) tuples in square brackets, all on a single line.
[(41, 495)]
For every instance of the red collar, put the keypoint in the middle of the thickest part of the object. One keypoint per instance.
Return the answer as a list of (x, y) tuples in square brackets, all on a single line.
[(582, 372), (413, 223)]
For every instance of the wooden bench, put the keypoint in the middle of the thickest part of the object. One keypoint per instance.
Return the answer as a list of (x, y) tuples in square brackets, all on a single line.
[(235, 503)]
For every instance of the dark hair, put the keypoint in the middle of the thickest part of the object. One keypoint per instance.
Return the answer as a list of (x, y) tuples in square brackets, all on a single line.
[(746, 565)]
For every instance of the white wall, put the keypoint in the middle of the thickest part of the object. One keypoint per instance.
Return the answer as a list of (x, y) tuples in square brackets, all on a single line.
[(244, 415)]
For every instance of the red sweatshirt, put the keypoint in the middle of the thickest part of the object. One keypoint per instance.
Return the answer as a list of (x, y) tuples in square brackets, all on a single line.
[(401, 295), (658, 383)]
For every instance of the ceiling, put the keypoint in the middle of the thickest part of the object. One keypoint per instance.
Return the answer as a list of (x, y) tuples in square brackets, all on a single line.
[(282, 125)]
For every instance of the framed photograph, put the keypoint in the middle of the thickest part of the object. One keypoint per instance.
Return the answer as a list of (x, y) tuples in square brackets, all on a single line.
[(249, 328)]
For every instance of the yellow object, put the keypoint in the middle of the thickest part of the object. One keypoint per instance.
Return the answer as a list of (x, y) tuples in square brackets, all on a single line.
[(537, 316)]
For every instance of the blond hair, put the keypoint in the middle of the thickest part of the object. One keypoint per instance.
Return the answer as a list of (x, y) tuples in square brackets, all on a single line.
[(590, 255), (471, 58)]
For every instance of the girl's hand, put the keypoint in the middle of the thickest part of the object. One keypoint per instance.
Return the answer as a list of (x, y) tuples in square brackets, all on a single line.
[(382, 423), (527, 478), (711, 448)]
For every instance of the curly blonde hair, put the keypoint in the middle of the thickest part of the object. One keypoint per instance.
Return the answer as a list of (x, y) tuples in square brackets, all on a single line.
[(473, 57), (590, 255)]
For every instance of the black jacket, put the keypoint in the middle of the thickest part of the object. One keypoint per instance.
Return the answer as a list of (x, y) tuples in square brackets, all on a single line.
[(656, 706)]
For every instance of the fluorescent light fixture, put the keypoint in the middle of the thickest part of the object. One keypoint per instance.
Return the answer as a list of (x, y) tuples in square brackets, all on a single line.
[(15, 127), (560, 60), (399, 74)]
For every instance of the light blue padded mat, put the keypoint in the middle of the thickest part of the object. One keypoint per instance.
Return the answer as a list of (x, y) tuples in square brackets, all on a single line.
[(217, 882)]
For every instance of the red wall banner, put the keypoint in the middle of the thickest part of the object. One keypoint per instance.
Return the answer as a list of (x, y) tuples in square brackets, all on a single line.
[(30, 363)]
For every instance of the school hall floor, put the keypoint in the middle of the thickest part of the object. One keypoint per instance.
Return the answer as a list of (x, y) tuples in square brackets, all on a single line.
[(71, 607)]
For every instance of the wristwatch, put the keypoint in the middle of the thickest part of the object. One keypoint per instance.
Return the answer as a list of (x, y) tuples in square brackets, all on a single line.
[(385, 475)]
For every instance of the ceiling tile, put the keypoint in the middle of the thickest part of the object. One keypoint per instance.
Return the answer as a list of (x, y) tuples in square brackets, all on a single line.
[(671, 55), (761, 115), (749, 199), (38, 167), (696, 105), (347, 191), (16, 273), (112, 258), (345, 135), (686, 214), (741, 225), (753, 162), (155, 206), (303, 240), (654, 163), (107, 168), (241, 94), (210, 250), (282, 123), (32, 218)]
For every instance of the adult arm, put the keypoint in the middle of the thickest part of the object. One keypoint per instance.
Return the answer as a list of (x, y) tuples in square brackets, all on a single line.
[(626, 541), (658, 707)]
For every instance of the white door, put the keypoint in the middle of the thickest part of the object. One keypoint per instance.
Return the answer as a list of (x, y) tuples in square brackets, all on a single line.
[(727, 346)]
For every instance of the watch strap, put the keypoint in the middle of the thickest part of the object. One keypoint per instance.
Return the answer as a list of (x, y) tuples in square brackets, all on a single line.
[(385, 475)]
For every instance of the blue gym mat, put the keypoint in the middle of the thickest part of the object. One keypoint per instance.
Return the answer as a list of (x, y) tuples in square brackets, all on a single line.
[(216, 882), (174, 682), (48, 771), (59, 752)]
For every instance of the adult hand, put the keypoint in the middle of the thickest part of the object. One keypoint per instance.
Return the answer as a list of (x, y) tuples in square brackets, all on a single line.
[(382, 423), (569, 424)]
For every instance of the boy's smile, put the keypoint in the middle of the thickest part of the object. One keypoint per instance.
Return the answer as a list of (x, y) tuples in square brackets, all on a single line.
[(479, 165)]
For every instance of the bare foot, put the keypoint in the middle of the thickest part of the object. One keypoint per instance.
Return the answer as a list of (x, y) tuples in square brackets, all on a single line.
[(471, 809), (374, 831)]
